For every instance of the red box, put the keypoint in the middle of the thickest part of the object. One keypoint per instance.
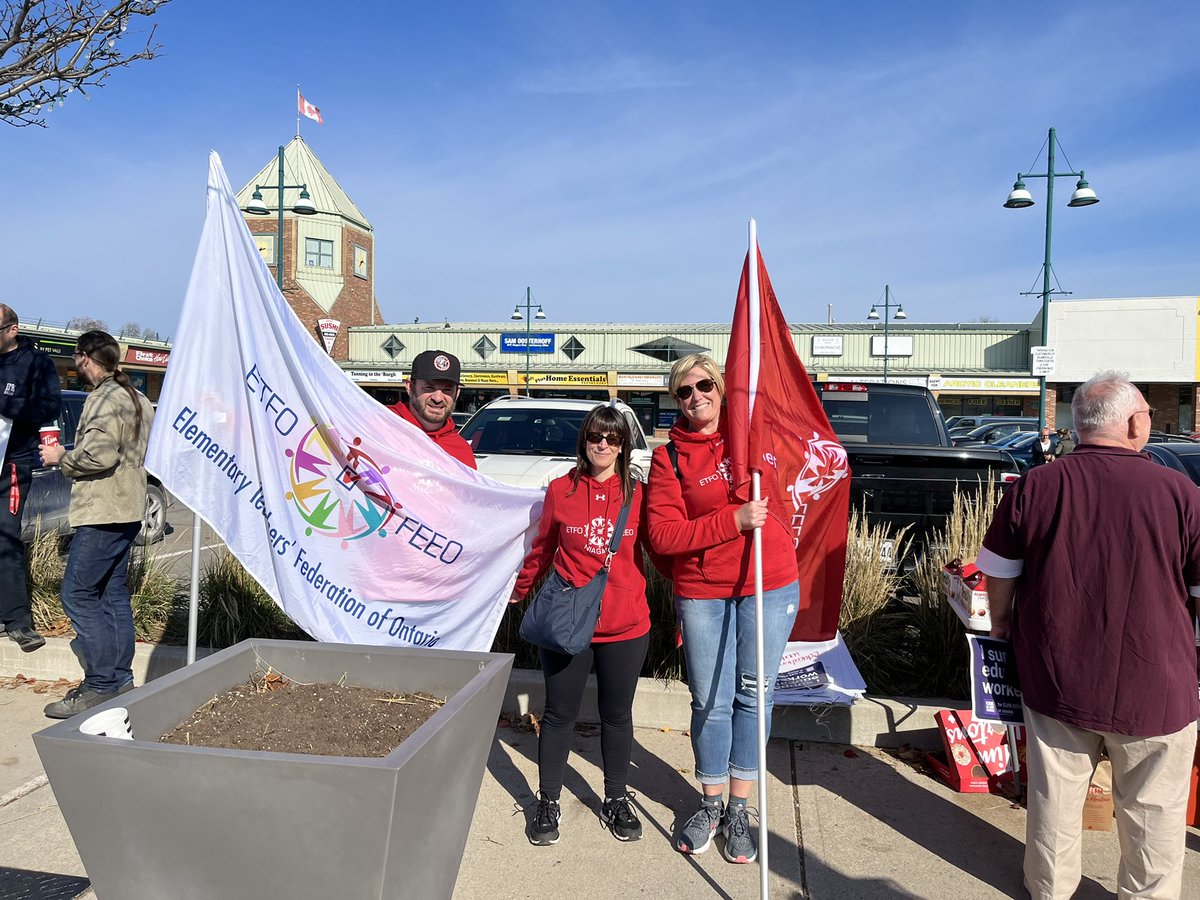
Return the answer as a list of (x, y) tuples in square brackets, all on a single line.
[(1193, 810)]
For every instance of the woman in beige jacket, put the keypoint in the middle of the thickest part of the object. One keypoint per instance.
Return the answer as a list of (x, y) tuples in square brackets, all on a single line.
[(108, 502)]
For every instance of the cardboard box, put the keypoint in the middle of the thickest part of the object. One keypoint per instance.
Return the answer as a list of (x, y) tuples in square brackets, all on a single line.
[(965, 588), (976, 755), (1098, 807)]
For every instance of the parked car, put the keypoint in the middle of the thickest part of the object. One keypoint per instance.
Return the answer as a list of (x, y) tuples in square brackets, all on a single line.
[(529, 441), (50, 492), (461, 418), (991, 432), (966, 423), (1162, 437), (1182, 456)]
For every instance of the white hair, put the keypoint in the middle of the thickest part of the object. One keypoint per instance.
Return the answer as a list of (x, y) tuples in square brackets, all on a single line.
[(1104, 400)]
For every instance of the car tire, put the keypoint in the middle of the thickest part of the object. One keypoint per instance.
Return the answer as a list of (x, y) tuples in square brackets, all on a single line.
[(154, 525)]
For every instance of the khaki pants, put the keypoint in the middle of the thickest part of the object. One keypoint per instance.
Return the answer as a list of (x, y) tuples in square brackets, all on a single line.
[(1150, 793)]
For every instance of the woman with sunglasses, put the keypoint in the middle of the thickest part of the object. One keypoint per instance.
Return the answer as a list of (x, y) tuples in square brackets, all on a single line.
[(574, 533), (695, 519)]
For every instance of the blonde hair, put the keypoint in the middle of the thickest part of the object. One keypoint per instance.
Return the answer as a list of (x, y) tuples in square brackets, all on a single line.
[(682, 367)]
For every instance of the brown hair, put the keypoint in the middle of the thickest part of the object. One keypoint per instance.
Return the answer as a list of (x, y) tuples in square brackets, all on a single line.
[(604, 418), (102, 349)]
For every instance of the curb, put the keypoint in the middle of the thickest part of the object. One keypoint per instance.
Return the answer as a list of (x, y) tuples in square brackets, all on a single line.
[(666, 705)]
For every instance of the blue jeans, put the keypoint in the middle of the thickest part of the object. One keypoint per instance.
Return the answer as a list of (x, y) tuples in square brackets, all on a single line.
[(718, 647), (95, 595)]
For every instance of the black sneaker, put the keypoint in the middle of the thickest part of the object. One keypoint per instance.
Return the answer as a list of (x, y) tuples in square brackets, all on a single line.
[(543, 830), (619, 817), (696, 834), (25, 638), (77, 700)]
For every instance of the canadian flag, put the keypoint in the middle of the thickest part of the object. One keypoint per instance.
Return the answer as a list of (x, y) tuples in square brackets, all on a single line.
[(776, 417), (307, 109)]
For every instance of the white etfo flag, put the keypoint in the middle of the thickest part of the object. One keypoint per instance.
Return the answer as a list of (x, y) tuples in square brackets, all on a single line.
[(359, 526)]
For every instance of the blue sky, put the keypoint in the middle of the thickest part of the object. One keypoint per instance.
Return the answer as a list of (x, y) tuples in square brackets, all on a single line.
[(609, 155)]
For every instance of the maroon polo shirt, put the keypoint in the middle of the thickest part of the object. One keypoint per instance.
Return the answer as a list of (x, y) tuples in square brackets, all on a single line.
[(1105, 546)]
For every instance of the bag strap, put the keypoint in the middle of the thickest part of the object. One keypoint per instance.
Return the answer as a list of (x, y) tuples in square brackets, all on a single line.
[(673, 455), (619, 529)]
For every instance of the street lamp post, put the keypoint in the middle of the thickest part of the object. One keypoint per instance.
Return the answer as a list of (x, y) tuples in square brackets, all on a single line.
[(1020, 198), (873, 315), (528, 317), (304, 207)]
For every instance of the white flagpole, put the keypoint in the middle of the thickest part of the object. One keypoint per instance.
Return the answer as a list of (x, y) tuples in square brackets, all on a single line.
[(755, 336), (194, 591), (297, 121)]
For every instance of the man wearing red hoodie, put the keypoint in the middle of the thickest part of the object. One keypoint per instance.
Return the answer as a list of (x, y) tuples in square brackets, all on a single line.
[(433, 386)]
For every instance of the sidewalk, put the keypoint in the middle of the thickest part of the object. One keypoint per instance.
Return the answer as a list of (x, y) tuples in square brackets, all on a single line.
[(845, 822)]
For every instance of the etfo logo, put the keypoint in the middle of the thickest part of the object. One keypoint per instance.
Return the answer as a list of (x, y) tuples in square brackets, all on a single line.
[(339, 490)]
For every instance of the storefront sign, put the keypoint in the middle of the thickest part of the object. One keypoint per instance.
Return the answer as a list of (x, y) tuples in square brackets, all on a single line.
[(54, 346), (989, 385), (827, 345), (378, 376), (472, 378), (566, 379), (515, 342), (918, 380), (897, 345), (157, 358), (641, 380), (329, 329)]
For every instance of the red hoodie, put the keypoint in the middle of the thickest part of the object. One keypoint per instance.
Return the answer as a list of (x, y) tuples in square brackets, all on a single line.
[(446, 437), (692, 522), (574, 533)]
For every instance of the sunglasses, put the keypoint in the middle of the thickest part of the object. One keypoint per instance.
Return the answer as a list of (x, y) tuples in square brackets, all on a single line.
[(595, 437), (704, 387)]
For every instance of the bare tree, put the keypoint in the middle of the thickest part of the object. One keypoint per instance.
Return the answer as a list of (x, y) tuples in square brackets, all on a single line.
[(50, 48), (130, 329), (150, 334), (86, 323)]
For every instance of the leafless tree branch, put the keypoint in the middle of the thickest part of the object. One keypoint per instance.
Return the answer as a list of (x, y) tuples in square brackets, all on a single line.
[(51, 48)]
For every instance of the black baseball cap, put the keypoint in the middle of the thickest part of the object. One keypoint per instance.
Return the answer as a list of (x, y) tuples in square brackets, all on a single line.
[(433, 365)]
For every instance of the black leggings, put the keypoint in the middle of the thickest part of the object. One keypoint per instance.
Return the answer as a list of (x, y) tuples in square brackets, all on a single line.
[(618, 664)]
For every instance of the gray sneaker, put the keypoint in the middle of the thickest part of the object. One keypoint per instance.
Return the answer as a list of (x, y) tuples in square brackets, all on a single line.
[(77, 700), (739, 837), (697, 832)]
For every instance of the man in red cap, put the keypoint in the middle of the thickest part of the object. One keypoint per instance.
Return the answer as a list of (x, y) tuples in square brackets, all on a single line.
[(433, 385)]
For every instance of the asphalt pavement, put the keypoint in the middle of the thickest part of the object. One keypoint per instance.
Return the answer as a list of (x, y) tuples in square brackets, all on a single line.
[(845, 822)]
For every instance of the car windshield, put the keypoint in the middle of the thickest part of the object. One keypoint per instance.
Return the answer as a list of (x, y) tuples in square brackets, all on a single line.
[(529, 432), (878, 417)]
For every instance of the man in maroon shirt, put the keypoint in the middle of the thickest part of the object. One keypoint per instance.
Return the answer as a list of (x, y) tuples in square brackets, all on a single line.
[(1093, 568), (433, 385)]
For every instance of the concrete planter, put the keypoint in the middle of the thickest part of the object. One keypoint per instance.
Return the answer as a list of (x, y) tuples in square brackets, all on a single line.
[(153, 820)]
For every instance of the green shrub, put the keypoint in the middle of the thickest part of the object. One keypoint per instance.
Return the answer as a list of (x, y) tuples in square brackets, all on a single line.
[(234, 607)]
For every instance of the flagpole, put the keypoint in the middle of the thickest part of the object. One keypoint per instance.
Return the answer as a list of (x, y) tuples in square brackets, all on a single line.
[(764, 869), (297, 118)]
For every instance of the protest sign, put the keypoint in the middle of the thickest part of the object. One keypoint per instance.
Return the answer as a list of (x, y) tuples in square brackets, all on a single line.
[(995, 690)]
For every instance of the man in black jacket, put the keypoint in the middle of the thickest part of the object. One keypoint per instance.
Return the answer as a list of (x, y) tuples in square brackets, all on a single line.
[(30, 397)]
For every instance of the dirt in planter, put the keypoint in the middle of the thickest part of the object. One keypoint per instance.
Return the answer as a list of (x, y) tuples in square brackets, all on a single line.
[(271, 712)]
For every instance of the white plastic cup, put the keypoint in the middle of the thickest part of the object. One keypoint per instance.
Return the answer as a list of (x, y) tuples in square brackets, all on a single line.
[(113, 723)]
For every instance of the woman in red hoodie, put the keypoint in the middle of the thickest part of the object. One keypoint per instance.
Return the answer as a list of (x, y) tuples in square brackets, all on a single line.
[(574, 533), (707, 532)]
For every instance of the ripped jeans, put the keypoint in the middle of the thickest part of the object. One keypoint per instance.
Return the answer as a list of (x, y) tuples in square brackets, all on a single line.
[(718, 646)]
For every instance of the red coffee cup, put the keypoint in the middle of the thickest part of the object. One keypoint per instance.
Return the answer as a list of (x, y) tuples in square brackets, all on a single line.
[(51, 435)]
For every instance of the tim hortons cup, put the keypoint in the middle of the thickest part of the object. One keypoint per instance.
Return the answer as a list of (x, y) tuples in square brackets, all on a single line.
[(51, 435), (113, 723)]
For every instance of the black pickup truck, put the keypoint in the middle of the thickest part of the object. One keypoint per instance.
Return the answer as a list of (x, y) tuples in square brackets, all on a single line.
[(904, 470)]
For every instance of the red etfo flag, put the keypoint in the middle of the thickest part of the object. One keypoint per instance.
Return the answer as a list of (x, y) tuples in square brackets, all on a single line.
[(775, 414), (307, 109)]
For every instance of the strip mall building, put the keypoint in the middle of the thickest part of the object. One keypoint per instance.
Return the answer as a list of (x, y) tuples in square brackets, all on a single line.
[(328, 278)]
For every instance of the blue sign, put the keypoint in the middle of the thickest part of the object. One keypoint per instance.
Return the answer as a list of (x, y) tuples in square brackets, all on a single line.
[(995, 690), (538, 343), (666, 418)]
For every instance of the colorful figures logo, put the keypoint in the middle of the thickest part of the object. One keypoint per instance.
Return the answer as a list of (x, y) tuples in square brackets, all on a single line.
[(339, 491)]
